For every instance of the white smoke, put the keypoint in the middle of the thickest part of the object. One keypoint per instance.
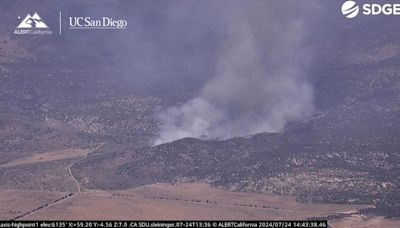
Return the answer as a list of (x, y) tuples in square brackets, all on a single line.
[(260, 82)]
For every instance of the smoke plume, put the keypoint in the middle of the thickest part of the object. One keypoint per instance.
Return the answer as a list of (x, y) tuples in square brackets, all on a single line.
[(260, 81)]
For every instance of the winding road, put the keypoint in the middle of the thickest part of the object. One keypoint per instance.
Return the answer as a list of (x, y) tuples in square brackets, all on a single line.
[(67, 196)]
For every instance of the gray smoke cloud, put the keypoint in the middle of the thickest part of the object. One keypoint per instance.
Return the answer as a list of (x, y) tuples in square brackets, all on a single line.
[(260, 81)]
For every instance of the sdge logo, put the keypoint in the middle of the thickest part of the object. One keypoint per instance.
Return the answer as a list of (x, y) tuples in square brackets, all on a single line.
[(350, 9)]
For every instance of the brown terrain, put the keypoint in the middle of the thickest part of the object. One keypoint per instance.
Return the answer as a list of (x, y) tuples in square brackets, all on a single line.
[(175, 202), (76, 119), (16, 202), (365, 222), (184, 201), (48, 156)]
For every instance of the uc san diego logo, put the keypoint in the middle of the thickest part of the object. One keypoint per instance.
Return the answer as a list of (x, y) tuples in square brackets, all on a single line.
[(350, 9), (32, 24)]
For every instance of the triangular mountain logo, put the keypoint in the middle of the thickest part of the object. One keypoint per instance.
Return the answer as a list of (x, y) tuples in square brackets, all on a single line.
[(34, 21)]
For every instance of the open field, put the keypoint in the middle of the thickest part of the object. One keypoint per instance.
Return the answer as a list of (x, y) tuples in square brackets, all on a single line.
[(44, 176), (49, 156), (16, 202), (186, 201), (44, 171), (362, 222)]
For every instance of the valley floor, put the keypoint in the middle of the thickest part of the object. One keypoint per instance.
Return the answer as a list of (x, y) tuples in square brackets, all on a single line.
[(164, 201), (24, 196)]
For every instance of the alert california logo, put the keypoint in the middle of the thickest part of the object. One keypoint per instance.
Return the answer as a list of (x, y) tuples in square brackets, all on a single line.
[(32, 25)]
